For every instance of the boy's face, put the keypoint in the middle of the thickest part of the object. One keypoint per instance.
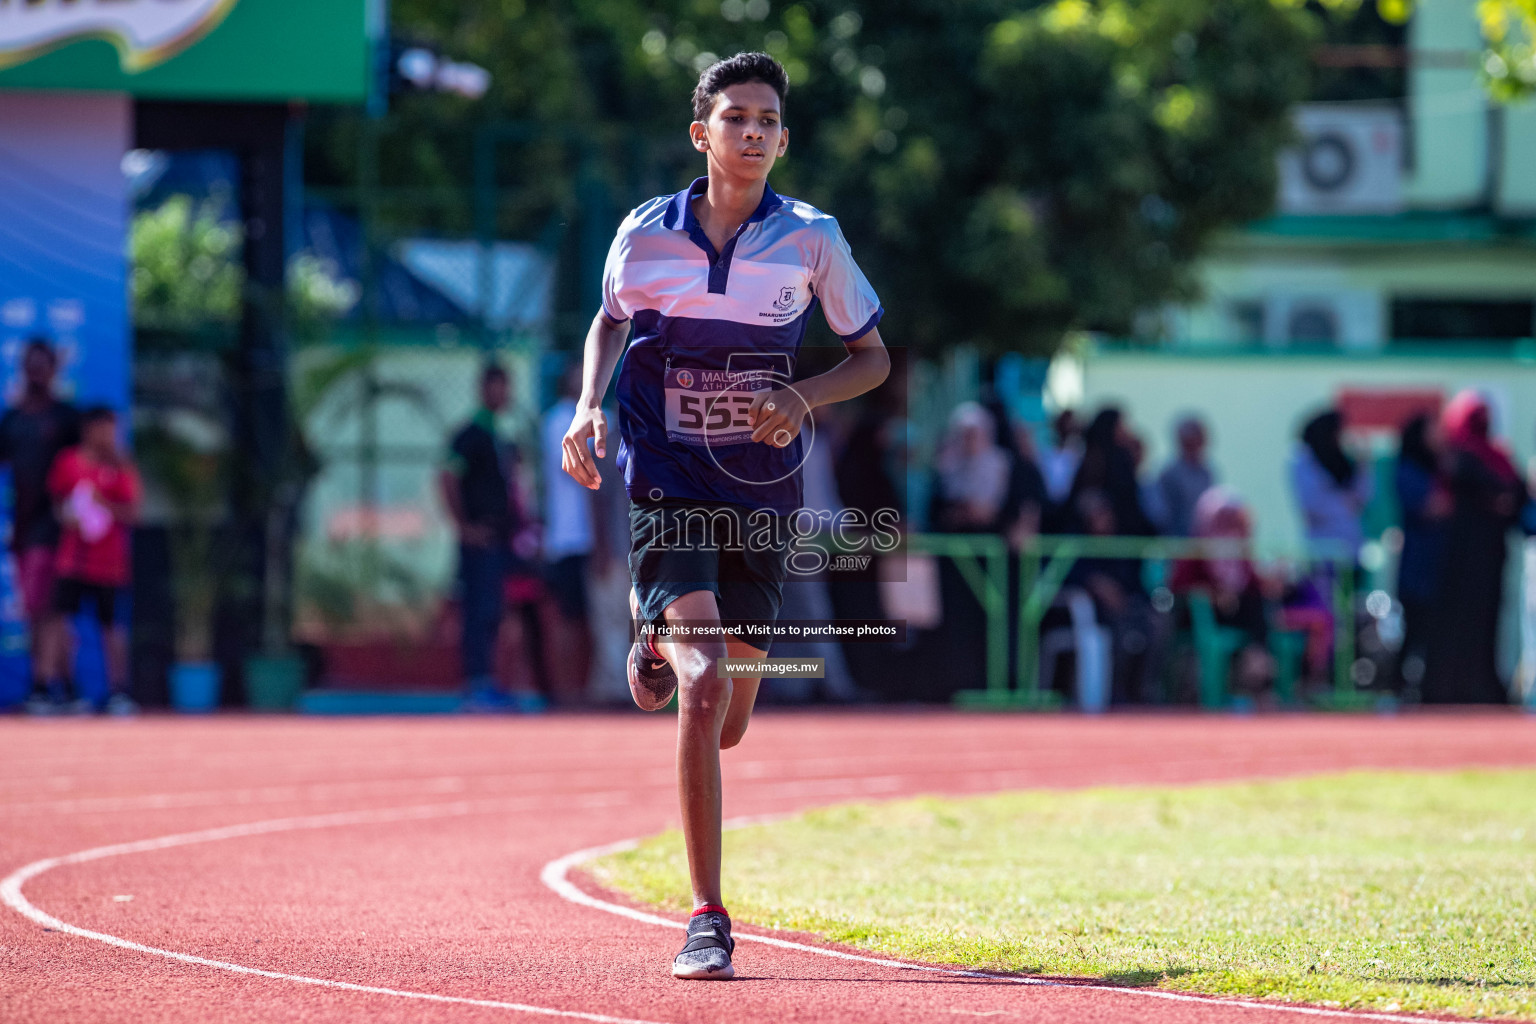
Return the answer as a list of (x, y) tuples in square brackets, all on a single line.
[(745, 133), (100, 435)]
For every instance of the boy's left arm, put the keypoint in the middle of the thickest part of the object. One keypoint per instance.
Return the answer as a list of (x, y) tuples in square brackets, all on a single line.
[(853, 312), (124, 500), (785, 409)]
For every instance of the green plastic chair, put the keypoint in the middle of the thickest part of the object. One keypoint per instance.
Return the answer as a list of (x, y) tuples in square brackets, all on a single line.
[(1288, 646), (1214, 646)]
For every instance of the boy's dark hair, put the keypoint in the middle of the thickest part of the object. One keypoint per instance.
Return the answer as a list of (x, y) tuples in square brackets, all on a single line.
[(492, 371), (93, 414), (744, 67)]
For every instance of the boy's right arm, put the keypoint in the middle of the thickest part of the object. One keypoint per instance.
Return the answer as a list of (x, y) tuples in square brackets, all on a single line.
[(605, 343)]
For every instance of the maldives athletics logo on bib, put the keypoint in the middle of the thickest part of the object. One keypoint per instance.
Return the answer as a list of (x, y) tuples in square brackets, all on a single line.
[(145, 32)]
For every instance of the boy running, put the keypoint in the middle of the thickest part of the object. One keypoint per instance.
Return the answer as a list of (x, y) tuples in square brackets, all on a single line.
[(719, 282)]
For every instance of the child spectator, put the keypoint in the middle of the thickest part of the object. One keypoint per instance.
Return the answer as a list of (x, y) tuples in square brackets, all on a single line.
[(95, 488)]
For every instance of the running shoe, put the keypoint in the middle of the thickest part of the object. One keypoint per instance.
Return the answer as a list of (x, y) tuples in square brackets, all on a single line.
[(121, 705), (707, 953), (43, 704), (651, 680)]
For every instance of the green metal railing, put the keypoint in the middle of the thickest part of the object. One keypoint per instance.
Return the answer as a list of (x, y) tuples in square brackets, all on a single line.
[(982, 563)]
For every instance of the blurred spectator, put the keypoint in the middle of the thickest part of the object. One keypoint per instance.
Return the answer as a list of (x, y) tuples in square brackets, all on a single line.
[(1026, 484), (1426, 510), (1186, 477), (1146, 490), (1061, 459), (869, 465), (1331, 489), (808, 596), (476, 486), (1236, 589), (1109, 467), (973, 477), (1487, 495), (568, 543), (96, 490), (1526, 683), (32, 434), (1120, 602), (870, 474)]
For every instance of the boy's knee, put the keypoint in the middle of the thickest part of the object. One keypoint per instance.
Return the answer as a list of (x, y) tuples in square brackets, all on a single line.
[(703, 696), (732, 734)]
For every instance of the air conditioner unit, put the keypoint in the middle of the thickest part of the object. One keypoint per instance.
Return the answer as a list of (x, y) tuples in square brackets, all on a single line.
[(1351, 320), (1349, 160)]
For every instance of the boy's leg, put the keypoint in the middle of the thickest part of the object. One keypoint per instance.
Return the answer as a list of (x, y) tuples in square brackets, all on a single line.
[(703, 705), (713, 713), (743, 695)]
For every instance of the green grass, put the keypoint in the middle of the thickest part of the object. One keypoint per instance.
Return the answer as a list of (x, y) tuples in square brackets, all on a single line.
[(1382, 891)]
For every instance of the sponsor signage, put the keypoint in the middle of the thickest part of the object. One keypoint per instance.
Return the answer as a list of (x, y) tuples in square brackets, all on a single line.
[(192, 49)]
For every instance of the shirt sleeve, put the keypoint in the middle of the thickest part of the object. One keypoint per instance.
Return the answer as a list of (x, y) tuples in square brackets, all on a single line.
[(613, 268), (849, 302)]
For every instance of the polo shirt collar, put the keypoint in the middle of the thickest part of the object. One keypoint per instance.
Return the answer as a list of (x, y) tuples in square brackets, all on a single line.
[(680, 215)]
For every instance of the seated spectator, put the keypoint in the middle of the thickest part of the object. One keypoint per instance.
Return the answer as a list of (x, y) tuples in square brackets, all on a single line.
[(1185, 479), (1235, 587), (973, 477), (1059, 466), (1120, 602), (1109, 466)]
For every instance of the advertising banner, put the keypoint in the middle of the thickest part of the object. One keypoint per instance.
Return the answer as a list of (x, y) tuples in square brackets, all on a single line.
[(63, 273), (270, 50)]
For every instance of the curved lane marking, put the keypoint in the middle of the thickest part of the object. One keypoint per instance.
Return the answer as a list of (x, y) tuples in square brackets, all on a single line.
[(11, 893), (556, 875)]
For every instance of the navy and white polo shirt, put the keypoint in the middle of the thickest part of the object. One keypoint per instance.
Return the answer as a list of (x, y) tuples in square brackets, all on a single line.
[(712, 328)]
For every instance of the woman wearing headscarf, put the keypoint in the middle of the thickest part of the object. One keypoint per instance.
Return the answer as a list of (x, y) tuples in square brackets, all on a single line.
[(1109, 467), (1331, 489), (971, 493), (972, 490), (1486, 496), (1426, 507)]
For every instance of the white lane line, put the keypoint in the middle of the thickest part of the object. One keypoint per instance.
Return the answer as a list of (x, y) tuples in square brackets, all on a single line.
[(556, 875), (13, 897)]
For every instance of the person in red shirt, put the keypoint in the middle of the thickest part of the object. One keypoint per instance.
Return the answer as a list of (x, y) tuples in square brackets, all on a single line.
[(96, 490)]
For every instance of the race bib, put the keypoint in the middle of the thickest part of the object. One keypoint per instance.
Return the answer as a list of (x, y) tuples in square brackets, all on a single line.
[(709, 407)]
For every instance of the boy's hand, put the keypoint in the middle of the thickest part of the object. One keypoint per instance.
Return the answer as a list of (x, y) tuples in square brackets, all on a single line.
[(776, 416), (575, 459)]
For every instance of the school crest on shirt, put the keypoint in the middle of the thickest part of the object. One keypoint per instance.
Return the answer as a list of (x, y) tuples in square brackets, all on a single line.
[(786, 298)]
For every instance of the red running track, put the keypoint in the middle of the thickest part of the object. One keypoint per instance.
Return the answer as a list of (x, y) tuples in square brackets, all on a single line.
[(405, 856)]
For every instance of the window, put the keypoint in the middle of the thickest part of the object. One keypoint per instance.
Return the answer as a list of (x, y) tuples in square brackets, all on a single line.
[(1463, 319)]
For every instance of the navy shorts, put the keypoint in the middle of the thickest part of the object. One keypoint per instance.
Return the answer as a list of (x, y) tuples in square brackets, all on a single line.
[(677, 547), (69, 596)]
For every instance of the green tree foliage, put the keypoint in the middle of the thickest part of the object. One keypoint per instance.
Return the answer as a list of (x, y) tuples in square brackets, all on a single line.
[(187, 276), (1006, 171), (1509, 63)]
